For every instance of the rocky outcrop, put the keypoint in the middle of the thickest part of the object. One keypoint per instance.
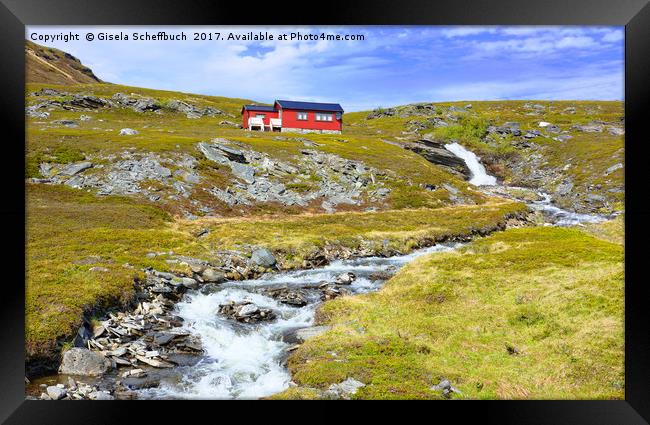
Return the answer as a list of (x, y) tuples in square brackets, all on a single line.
[(435, 152), (339, 180), (344, 390)]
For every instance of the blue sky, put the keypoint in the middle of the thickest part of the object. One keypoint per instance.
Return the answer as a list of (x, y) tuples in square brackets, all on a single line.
[(391, 66)]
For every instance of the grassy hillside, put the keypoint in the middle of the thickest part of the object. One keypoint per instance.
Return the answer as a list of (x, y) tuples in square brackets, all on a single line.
[(577, 155), (53, 66), (83, 251), (103, 205), (171, 134), (548, 324)]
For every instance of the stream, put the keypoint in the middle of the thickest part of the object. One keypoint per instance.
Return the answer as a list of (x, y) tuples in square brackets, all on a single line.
[(248, 360), (553, 214)]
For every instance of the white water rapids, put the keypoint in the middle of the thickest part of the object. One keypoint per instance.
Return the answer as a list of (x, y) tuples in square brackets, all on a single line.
[(246, 361), (480, 177)]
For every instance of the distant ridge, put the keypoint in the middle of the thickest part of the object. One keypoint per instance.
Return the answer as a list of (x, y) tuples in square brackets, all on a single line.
[(53, 66)]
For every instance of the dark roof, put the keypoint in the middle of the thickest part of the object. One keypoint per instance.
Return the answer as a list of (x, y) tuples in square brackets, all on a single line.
[(260, 108), (313, 106)]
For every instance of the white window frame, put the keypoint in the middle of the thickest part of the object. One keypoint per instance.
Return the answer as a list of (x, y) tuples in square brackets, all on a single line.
[(301, 114), (260, 116), (323, 116)]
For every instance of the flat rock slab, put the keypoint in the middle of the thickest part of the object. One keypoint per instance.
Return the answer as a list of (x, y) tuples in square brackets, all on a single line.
[(81, 361)]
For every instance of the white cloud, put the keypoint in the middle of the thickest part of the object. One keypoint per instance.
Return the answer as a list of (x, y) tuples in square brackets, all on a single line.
[(392, 66), (613, 36), (596, 85), (464, 31)]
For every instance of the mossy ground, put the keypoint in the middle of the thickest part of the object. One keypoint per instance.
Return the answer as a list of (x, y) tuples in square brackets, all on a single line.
[(555, 294), (586, 156), (71, 231), (171, 132), (532, 313)]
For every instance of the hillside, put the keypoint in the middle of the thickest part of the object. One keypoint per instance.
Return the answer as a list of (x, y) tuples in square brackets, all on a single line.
[(53, 66), (573, 150), (123, 182), (541, 328)]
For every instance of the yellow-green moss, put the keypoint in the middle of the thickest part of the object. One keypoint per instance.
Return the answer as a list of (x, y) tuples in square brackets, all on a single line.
[(526, 314)]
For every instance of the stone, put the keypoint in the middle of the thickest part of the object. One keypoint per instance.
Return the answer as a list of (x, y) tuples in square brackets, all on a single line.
[(589, 128), (243, 171), (446, 388), (55, 392), (330, 291), (81, 361), (298, 336), (436, 153), (154, 362), (287, 296), (100, 395), (613, 168), (246, 312), (263, 257), (187, 282), (76, 168), (615, 131), (345, 278), (128, 132), (67, 123), (346, 388), (212, 275)]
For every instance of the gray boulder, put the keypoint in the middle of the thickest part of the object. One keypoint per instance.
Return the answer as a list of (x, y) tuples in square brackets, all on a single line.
[(263, 257), (212, 275), (298, 336), (81, 361), (76, 168), (345, 389), (56, 393), (244, 172), (213, 153), (128, 132)]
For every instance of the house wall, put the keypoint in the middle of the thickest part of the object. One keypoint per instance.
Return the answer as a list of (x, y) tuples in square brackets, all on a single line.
[(267, 116), (290, 121)]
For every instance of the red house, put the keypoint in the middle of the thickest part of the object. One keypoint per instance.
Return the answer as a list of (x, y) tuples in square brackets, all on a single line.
[(288, 115)]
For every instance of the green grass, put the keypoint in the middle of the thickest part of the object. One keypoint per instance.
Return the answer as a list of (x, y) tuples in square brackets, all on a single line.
[(69, 231), (590, 154), (532, 313), (171, 133)]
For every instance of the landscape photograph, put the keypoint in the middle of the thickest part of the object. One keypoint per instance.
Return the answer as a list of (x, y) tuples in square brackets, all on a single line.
[(331, 213)]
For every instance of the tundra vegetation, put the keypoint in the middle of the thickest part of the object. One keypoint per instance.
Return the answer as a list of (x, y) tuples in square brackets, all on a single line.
[(526, 313)]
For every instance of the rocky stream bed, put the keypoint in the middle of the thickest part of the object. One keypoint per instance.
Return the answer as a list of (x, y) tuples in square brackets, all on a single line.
[(221, 334)]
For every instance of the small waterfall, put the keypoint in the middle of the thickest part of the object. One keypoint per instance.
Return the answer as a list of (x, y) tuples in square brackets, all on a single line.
[(479, 176)]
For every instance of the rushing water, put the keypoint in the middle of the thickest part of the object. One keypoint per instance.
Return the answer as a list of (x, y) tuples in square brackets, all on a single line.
[(556, 215), (479, 177), (247, 361)]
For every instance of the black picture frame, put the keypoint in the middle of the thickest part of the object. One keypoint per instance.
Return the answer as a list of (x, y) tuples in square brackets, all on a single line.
[(633, 14)]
